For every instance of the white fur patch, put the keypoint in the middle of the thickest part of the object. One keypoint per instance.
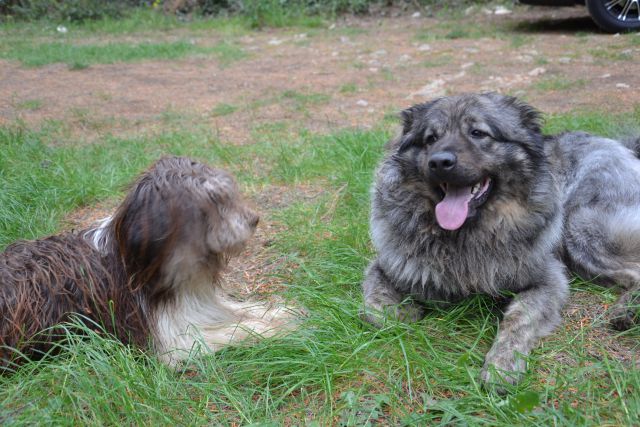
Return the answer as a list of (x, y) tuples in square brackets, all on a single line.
[(210, 318), (98, 235)]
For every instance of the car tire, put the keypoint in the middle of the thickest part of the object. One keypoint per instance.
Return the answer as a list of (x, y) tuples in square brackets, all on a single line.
[(615, 16)]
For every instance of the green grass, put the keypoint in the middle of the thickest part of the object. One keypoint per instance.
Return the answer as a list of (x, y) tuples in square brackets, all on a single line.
[(228, 53), (598, 123), (438, 60), (223, 110), (303, 99), (78, 56), (554, 83), (611, 54), (334, 369), (451, 30), (348, 88), (139, 21), (30, 104), (518, 40)]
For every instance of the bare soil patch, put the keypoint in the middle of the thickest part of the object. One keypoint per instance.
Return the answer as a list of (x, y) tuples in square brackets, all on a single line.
[(363, 68)]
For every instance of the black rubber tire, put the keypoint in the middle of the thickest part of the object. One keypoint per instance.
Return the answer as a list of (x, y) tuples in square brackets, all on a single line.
[(608, 19)]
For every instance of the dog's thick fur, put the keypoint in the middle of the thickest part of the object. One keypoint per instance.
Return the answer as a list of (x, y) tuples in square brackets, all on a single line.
[(471, 198), (149, 274)]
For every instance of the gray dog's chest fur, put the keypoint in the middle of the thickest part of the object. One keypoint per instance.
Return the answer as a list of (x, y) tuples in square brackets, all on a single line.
[(452, 268), (495, 252)]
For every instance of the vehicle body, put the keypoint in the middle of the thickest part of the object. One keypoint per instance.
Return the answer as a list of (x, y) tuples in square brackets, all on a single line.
[(610, 15)]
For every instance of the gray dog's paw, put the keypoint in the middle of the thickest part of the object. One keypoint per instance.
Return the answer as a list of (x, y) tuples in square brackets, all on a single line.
[(625, 313), (502, 369), (408, 312), (623, 318)]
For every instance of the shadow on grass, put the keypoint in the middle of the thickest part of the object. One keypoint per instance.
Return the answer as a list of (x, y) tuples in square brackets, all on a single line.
[(558, 26)]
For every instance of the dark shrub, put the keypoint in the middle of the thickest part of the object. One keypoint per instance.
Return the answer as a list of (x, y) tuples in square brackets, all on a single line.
[(66, 10)]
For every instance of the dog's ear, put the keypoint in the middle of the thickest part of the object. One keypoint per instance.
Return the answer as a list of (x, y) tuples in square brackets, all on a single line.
[(144, 227), (529, 117), (412, 116), (409, 117)]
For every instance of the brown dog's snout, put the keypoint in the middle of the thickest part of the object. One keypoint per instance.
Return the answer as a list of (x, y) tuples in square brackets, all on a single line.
[(442, 162)]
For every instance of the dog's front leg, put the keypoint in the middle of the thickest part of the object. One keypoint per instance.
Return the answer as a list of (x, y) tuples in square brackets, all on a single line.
[(382, 298), (531, 315)]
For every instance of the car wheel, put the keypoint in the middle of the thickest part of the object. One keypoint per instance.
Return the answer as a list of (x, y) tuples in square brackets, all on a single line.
[(615, 15)]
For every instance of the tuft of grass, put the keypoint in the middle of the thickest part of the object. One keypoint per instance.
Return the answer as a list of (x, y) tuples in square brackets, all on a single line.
[(276, 13), (223, 110), (541, 60), (348, 88), (558, 83), (78, 65), (30, 104), (299, 101), (518, 40), (304, 99), (271, 133), (611, 54), (228, 53), (437, 61), (457, 33), (452, 30)]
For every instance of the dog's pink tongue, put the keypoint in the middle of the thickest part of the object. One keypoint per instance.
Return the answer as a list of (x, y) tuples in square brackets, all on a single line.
[(452, 211)]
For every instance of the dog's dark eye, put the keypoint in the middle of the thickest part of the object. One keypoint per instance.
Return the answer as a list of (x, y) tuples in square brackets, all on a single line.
[(430, 139), (477, 133)]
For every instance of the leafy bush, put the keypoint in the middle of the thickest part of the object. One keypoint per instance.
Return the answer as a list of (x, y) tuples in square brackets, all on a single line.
[(261, 11), (258, 9), (67, 10), (258, 12)]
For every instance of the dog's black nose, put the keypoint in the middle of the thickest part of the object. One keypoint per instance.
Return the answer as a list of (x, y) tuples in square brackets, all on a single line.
[(442, 161)]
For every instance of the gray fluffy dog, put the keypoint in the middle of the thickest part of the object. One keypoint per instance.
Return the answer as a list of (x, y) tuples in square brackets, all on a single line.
[(471, 198)]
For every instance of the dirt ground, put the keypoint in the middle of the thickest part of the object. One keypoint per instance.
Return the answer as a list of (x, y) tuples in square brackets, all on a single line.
[(363, 67), (353, 73)]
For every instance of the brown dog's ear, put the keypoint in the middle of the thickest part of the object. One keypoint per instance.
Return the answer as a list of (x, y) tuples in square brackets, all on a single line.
[(144, 226)]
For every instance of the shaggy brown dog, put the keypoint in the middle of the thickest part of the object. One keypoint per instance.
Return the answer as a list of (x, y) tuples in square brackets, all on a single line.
[(149, 274)]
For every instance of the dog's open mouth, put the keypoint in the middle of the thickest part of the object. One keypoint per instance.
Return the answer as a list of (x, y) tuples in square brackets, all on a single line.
[(461, 202)]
